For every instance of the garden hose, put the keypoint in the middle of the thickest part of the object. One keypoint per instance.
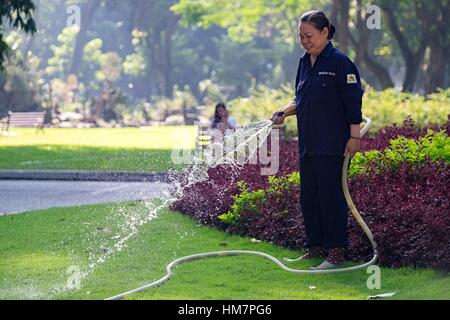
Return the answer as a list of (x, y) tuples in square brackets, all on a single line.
[(351, 206)]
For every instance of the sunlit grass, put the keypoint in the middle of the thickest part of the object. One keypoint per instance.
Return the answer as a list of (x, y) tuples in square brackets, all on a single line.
[(37, 248), (121, 149)]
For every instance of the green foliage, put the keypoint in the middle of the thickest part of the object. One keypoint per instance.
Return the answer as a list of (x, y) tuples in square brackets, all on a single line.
[(246, 203), (246, 20), (19, 15), (385, 108), (183, 102), (211, 93), (111, 67), (278, 185), (59, 63), (434, 145), (135, 63), (21, 84), (393, 107), (260, 105)]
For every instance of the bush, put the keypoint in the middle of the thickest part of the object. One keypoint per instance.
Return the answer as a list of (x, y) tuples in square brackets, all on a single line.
[(385, 108), (406, 209), (408, 212), (246, 204), (389, 107), (260, 105), (205, 200), (434, 146), (402, 193), (245, 207), (409, 129)]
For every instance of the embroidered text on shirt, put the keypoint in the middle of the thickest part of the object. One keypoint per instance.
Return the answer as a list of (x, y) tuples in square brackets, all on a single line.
[(326, 73)]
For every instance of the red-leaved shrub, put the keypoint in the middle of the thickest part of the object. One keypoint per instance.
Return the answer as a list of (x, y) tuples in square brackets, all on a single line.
[(409, 129), (205, 200), (408, 209)]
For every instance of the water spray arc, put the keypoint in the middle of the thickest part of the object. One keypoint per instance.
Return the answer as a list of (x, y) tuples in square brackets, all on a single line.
[(350, 204)]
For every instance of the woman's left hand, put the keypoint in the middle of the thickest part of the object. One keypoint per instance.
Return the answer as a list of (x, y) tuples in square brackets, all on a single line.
[(353, 146)]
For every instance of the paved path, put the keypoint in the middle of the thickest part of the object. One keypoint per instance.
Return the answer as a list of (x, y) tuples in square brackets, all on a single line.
[(24, 195), (86, 175)]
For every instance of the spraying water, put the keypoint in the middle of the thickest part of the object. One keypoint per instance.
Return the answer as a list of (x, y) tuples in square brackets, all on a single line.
[(235, 148), (261, 129)]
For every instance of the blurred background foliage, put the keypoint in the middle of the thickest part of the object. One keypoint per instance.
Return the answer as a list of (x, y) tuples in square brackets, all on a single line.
[(145, 62)]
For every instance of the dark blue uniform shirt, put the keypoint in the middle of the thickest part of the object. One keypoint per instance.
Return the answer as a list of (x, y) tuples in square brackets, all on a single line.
[(328, 99)]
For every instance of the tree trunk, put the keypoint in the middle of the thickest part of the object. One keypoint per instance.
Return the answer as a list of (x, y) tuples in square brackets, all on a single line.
[(412, 59), (167, 65), (363, 58), (87, 15), (435, 71), (343, 7)]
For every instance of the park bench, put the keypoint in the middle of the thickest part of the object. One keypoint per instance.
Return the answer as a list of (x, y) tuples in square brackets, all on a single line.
[(24, 119)]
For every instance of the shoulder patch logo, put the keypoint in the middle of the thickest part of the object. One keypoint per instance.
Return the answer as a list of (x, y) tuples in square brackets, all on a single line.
[(351, 78)]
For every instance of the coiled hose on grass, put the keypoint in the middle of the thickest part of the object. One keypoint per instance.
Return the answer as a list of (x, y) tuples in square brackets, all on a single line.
[(351, 206)]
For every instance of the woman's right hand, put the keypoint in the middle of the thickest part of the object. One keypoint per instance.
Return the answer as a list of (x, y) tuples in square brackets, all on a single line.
[(280, 118)]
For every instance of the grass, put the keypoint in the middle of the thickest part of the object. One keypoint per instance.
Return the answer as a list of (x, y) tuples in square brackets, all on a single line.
[(119, 149), (36, 248)]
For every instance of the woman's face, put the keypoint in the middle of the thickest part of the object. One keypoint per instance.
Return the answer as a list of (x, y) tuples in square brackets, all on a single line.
[(312, 39), (222, 112)]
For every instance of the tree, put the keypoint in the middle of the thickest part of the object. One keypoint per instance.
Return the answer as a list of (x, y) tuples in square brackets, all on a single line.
[(87, 18), (271, 23), (159, 24), (360, 39), (439, 45), (411, 29), (18, 13), (20, 88), (340, 16), (246, 19)]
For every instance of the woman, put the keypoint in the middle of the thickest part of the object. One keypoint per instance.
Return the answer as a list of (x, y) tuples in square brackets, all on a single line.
[(327, 103), (221, 119)]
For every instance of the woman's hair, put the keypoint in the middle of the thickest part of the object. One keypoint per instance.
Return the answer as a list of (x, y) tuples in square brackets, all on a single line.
[(217, 115), (319, 20)]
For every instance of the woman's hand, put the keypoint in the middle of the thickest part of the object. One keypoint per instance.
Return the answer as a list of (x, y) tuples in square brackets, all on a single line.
[(279, 119), (353, 146)]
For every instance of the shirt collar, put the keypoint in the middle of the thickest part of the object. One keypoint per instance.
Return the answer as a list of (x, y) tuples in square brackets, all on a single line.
[(327, 50)]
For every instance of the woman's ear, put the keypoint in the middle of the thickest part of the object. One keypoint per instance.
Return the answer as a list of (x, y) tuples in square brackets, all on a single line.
[(325, 32)]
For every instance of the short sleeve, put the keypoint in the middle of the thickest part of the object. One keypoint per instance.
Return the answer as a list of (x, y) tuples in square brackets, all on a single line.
[(350, 90)]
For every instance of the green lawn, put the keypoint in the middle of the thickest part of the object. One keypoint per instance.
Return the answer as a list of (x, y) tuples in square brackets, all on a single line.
[(36, 249), (119, 149)]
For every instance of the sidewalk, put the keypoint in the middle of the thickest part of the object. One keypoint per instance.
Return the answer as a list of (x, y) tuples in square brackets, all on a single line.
[(18, 196), (84, 175)]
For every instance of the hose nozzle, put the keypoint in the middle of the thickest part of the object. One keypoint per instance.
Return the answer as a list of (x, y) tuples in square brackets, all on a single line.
[(277, 115)]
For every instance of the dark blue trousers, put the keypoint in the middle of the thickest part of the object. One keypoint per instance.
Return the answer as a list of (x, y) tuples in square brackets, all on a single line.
[(322, 200)]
